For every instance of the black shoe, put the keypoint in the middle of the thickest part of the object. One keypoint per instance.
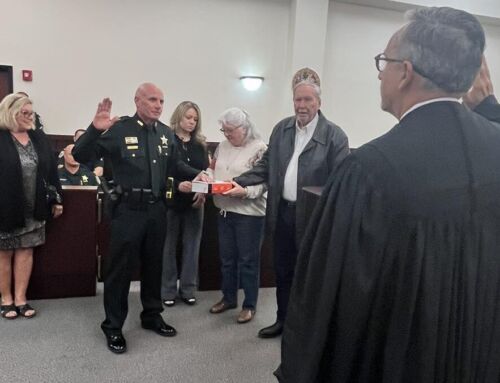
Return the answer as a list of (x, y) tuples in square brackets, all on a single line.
[(272, 331), (189, 301), (161, 328), (169, 302), (116, 343)]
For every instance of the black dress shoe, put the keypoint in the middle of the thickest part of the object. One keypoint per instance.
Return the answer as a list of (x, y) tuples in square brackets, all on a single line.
[(272, 331), (162, 329), (116, 343), (189, 301), (169, 302)]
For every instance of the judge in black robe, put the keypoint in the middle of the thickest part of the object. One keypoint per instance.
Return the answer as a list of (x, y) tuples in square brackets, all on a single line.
[(398, 277)]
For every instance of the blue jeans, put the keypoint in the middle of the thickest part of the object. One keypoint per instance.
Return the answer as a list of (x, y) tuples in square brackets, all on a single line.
[(189, 225), (240, 240)]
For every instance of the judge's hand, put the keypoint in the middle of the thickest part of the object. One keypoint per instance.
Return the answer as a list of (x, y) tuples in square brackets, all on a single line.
[(185, 187), (198, 200), (237, 191), (57, 210), (102, 119), (481, 87)]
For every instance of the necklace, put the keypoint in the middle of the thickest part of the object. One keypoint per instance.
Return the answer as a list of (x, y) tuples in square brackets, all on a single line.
[(184, 138), (184, 141)]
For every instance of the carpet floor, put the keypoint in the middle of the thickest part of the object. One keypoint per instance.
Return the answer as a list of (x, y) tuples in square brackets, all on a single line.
[(64, 343)]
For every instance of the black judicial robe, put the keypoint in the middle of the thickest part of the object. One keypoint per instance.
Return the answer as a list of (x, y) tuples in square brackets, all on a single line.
[(398, 277)]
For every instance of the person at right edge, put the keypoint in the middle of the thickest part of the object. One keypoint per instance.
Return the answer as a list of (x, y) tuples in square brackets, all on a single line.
[(398, 277), (303, 151), (143, 154)]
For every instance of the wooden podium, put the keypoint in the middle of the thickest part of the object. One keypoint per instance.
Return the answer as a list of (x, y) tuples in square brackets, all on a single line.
[(65, 266)]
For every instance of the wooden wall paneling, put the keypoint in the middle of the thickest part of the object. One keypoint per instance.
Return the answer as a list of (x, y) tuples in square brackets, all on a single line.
[(65, 266)]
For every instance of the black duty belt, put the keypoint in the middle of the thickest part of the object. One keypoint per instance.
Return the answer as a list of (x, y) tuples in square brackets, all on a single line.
[(136, 195)]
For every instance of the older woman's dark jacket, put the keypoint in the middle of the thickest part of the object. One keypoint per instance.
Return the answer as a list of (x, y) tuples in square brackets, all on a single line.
[(12, 199)]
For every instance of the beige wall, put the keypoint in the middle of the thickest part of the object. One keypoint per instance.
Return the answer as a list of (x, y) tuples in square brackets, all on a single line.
[(83, 50)]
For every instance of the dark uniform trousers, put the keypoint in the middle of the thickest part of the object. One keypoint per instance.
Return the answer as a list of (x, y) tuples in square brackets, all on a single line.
[(285, 255), (137, 233), (142, 158)]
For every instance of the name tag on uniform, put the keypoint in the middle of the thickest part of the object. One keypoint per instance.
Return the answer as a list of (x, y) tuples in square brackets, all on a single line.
[(132, 147), (131, 140)]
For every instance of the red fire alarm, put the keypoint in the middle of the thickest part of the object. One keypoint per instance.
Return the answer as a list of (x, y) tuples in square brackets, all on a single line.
[(27, 75)]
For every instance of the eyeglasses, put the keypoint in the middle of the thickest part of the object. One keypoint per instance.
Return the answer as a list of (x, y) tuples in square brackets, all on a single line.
[(381, 61), (228, 131), (26, 113)]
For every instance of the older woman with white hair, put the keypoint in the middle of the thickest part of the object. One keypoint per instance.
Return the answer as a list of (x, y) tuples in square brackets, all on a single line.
[(29, 177), (242, 211)]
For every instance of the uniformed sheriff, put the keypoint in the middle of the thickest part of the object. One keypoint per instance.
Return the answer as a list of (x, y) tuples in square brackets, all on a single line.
[(142, 152)]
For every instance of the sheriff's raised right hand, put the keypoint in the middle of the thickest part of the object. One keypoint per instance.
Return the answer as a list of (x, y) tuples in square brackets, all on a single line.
[(102, 119)]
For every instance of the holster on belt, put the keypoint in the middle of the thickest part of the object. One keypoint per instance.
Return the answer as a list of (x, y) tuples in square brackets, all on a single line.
[(112, 194)]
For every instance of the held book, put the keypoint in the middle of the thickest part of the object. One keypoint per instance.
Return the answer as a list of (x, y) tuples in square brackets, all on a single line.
[(216, 187)]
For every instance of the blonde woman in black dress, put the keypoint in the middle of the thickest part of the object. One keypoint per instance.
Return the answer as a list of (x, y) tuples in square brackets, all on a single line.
[(27, 167)]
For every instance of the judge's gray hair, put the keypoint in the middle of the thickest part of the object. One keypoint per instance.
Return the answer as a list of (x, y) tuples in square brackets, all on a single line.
[(445, 46), (238, 117)]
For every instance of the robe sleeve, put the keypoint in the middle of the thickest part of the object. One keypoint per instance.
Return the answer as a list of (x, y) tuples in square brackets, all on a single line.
[(258, 174), (338, 259)]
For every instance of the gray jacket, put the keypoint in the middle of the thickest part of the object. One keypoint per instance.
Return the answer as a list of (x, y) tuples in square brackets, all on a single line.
[(326, 149)]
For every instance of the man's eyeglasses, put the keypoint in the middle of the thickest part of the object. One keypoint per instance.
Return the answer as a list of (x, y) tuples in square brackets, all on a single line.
[(381, 61), (26, 113)]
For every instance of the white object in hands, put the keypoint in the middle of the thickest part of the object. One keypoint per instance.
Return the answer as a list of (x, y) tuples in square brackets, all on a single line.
[(199, 187)]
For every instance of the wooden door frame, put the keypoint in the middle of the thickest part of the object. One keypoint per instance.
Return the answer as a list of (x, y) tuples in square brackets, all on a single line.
[(8, 69)]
